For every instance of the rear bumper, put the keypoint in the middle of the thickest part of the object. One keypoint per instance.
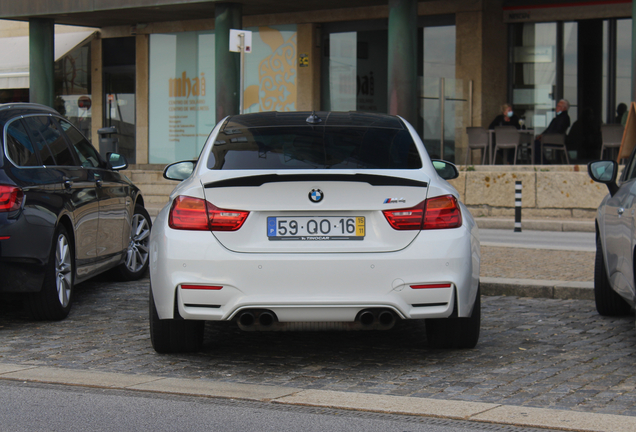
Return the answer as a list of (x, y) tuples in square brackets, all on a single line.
[(312, 287)]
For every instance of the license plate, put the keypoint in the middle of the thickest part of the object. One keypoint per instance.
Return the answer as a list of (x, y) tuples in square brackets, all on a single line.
[(308, 228)]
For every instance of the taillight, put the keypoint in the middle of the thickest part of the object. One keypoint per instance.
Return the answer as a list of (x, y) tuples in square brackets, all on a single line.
[(196, 214), (434, 213), (406, 219), (442, 212), (10, 198)]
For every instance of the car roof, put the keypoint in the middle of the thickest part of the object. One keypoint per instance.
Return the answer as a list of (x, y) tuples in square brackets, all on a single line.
[(11, 110), (321, 118)]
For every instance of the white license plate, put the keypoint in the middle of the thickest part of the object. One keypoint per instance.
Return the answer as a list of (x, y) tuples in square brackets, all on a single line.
[(310, 228)]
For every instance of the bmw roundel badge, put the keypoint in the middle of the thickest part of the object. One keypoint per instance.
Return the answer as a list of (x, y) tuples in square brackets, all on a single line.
[(316, 195)]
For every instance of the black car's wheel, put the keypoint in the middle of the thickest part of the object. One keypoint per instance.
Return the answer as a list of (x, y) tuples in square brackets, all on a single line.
[(455, 332), (174, 336), (608, 302), (136, 261), (53, 302)]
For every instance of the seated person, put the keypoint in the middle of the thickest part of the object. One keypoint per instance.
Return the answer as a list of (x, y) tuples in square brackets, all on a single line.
[(559, 125), (506, 118)]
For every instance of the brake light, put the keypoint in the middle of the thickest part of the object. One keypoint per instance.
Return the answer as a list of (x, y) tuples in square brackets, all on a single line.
[(10, 198), (406, 219), (442, 212), (434, 213), (196, 214)]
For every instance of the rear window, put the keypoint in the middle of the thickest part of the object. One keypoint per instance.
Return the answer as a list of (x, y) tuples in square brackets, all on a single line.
[(314, 147)]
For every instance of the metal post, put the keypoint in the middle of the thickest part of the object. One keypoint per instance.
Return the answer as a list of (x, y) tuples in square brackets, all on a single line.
[(518, 206), (442, 97), (242, 84), (470, 103)]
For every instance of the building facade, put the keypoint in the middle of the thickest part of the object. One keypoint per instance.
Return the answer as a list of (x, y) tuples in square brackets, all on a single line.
[(163, 73)]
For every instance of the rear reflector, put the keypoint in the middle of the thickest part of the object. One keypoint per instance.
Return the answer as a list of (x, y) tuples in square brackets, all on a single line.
[(435, 213), (196, 214), (5, 238), (429, 286), (10, 198), (202, 287)]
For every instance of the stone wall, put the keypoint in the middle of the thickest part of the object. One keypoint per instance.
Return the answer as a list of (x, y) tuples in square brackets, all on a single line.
[(563, 191)]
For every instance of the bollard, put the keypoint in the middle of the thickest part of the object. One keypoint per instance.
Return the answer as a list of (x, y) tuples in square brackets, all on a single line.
[(517, 206)]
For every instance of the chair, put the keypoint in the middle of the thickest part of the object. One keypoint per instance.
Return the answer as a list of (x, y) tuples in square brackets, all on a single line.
[(506, 137), (478, 139), (612, 135), (555, 142)]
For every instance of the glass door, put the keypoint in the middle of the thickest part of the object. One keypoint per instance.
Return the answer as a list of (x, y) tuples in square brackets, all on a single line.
[(119, 92)]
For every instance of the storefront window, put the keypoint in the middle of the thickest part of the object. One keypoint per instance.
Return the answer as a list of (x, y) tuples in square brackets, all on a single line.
[(181, 98), (270, 70), (354, 67), (439, 69), (623, 62), (534, 73), (73, 87)]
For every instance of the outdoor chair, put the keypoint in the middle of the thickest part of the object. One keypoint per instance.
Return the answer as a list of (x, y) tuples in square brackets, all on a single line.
[(506, 137), (612, 135), (478, 139), (555, 142)]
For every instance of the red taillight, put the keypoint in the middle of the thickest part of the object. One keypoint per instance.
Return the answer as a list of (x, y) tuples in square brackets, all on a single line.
[(188, 213), (434, 213), (431, 286), (10, 198), (202, 287), (406, 219), (442, 212)]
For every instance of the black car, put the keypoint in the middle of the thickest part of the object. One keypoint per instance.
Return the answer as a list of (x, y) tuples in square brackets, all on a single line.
[(66, 214)]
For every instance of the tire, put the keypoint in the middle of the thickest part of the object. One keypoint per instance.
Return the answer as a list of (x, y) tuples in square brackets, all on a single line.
[(608, 302), (53, 302), (174, 335), (455, 333), (135, 263)]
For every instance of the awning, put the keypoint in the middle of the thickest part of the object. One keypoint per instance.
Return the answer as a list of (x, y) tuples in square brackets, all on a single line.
[(14, 52)]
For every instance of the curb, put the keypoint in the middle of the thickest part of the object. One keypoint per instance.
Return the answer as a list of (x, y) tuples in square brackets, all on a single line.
[(537, 224), (563, 290), (438, 408)]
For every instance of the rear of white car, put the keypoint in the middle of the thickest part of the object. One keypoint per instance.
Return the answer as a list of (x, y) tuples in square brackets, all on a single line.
[(299, 222)]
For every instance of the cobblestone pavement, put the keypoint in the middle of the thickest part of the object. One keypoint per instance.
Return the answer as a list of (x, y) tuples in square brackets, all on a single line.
[(532, 352)]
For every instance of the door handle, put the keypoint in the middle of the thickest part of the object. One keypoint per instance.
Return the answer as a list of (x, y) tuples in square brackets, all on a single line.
[(98, 181), (68, 182), (621, 210)]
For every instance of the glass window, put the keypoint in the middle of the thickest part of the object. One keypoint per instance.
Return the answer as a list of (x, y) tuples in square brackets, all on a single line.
[(87, 154), (311, 147), (19, 146), (534, 73), (181, 105), (355, 67), (49, 140)]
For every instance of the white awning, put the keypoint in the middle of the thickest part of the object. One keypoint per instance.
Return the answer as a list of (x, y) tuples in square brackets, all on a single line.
[(14, 52)]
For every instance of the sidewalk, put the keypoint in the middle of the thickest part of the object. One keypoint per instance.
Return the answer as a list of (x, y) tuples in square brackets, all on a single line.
[(544, 224)]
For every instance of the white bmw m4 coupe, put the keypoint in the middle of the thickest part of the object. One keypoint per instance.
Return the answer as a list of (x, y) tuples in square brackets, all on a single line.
[(313, 221)]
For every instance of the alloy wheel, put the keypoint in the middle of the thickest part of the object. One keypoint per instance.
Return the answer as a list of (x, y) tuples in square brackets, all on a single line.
[(63, 270), (137, 254)]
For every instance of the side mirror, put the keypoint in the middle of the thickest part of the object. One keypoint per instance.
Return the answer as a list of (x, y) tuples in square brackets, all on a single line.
[(445, 170), (604, 172), (117, 161), (179, 170)]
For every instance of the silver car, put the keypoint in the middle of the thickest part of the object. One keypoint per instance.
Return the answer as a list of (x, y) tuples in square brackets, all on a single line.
[(614, 287)]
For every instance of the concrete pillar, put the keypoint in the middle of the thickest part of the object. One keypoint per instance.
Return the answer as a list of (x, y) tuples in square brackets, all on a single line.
[(41, 60), (97, 91), (402, 86), (142, 54), (226, 64)]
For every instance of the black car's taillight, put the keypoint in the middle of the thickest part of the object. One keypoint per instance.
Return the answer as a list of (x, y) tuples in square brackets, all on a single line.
[(10, 198)]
